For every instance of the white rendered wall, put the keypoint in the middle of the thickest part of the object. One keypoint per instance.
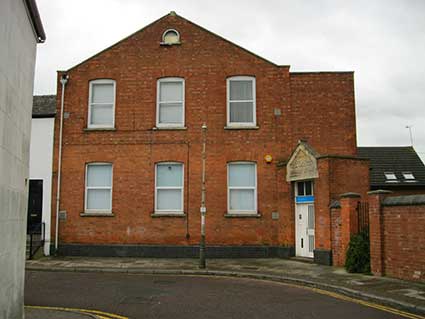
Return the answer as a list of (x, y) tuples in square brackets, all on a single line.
[(17, 60), (41, 160)]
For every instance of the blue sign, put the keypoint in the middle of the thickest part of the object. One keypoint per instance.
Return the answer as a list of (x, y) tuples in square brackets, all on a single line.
[(304, 199)]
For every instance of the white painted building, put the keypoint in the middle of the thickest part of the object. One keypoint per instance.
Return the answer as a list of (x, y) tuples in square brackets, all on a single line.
[(41, 164), (20, 31)]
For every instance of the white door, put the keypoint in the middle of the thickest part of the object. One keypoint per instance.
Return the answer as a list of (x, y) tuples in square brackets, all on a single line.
[(304, 219)]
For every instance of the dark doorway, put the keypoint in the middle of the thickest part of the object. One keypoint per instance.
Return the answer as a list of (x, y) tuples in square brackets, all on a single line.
[(35, 203)]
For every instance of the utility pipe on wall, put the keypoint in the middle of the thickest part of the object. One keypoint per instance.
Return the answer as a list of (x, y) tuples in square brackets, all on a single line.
[(203, 210), (64, 81)]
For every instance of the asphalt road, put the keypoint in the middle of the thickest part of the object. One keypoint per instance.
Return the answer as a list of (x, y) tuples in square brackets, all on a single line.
[(159, 296)]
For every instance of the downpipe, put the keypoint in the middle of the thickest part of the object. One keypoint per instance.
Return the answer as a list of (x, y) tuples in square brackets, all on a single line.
[(64, 80)]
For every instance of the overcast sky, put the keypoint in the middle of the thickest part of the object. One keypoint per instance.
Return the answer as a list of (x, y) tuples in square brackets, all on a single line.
[(382, 41)]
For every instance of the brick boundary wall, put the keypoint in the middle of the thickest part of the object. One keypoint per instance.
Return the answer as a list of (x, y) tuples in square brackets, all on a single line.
[(337, 255), (344, 224), (397, 238)]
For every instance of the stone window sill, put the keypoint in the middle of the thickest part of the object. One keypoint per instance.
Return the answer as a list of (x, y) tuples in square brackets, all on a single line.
[(171, 214), (242, 215), (97, 129), (97, 214), (169, 44), (241, 127), (169, 128)]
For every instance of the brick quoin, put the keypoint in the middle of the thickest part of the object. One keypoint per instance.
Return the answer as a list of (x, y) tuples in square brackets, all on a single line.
[(316, 107)]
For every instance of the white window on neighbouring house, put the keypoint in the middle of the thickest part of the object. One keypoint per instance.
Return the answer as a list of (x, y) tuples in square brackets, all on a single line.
[(241, 101), (169, 183), (170, 103), (242, 187), (390, 177), (98, 187), (101, 104), (408, 176)]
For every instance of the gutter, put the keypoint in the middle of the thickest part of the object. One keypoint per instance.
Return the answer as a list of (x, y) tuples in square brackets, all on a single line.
[(42, 116), (35, 19), (63, 81)]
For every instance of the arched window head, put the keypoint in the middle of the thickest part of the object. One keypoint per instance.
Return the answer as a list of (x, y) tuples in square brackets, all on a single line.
[(171, 37)]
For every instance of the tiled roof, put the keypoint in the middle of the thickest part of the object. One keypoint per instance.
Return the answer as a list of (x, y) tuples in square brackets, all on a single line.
[(44, 106), (397, 160)]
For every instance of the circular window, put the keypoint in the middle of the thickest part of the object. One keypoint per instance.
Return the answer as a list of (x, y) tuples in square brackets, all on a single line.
[(171, 36)]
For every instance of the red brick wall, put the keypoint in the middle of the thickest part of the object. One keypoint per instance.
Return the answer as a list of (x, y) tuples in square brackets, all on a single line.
[(336, 176), (349, 175), (204, 61), (338, 254), (404, 241), (376, 233), (323, 112), (322, 201), (396, 239)]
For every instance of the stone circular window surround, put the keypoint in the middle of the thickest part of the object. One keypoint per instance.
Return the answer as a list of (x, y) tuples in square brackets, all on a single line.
[(170, 37)]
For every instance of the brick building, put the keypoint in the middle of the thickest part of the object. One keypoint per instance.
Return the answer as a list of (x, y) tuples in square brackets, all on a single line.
[(280, 146)]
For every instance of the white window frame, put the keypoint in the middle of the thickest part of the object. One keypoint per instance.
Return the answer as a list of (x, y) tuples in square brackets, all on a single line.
[(303, 181), (254, 104), (390, 180), (94, 211), (101, 81), (232, 211), (158, 88), (408, 177), (169, 211)]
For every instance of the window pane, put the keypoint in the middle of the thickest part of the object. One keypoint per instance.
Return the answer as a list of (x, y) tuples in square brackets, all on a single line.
[(170, 91), (169, 175), (308, 188), (99, 199), (169, 199), (242, 175), (301, 189), (390, 176), (99, 175), (310, 222), (170, 113), (242, 112), (408, 176), (242, 199), (171, 37), (103, 93), (101, 114), (241, 90)]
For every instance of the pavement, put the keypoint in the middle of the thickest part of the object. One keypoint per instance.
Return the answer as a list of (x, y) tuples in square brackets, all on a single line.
[(404, 295)]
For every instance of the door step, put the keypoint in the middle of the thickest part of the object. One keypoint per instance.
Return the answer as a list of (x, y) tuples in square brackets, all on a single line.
[(303, 259)]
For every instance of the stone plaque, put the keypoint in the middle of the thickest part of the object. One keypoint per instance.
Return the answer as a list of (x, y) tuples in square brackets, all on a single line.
[(302, 165)]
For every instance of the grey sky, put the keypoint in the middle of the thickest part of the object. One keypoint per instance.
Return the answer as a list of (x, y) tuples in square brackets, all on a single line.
[(382, 41)]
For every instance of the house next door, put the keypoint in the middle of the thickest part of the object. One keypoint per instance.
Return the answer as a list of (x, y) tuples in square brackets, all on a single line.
[(35, 203), (304, 219)]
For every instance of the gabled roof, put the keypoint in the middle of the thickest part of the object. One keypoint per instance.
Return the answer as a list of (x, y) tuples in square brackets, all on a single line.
[(44, 106), (394, 159), (173, 14)]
